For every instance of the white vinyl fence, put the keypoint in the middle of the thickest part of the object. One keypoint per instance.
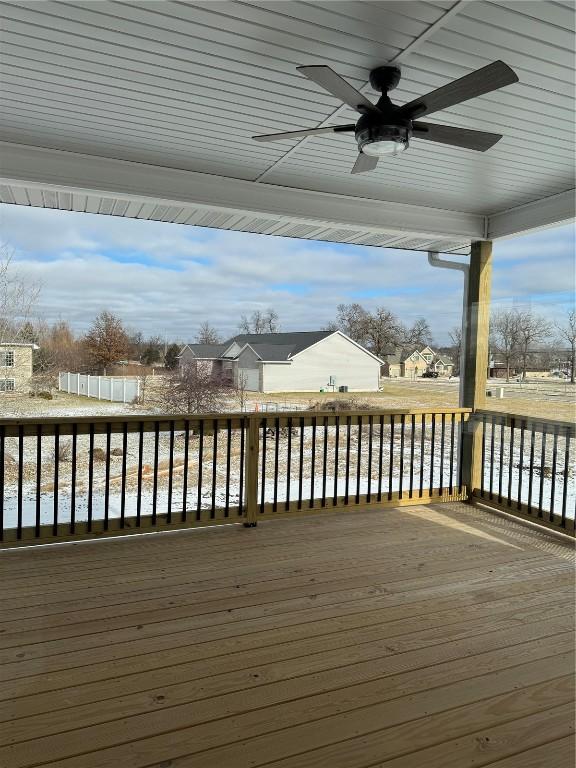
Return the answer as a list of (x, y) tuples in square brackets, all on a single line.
[(117, 389)]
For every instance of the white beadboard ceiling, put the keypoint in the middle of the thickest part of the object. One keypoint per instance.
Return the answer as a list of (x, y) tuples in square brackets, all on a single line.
[(184, 85)]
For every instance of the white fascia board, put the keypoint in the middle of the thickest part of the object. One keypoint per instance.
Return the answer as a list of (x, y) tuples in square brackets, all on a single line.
[(541, 214), (24, 165)]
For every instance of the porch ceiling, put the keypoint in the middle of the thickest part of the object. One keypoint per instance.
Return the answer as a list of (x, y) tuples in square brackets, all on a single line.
[(147, 110)]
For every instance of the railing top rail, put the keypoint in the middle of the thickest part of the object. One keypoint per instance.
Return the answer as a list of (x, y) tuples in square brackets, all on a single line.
[(223, 417), (539, 423)]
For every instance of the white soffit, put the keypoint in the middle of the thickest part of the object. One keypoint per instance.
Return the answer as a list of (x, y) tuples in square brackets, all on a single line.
[(181, 87)]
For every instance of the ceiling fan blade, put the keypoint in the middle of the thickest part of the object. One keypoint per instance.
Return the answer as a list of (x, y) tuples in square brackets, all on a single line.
[(456, 137), (328, 79), (304, 132), (485, 80), (364, 163)]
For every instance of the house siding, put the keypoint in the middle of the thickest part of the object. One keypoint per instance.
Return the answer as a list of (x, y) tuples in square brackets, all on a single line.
[(21, 372), (311, 369), (249, 366)]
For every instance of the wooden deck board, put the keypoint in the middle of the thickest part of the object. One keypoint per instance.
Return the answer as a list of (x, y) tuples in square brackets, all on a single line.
[(438, 636)]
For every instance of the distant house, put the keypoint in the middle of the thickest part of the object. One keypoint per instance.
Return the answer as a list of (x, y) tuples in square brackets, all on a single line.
[(305, 361), (15, 366), (412, 364)]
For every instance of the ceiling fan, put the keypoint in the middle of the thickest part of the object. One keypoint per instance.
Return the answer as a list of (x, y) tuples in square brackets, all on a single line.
[(384, 129)]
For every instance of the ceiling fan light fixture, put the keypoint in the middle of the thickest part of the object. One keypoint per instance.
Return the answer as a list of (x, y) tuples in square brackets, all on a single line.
[(383, 140)]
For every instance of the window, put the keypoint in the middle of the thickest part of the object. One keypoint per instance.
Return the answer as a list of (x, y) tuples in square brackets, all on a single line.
[(7, 385), (7, 359)]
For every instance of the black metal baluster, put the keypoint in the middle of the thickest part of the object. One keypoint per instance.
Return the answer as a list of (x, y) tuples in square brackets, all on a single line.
[(301, 464), (336, 457), (214, 467), (422, 451), (228, 466), (242, 469), (432, 446), (313, 459), (2, 459), (492, 450), (402, 431), (380, 458), (531, 471), (140, 470), (521, 462), (412, 438), (501, 460), (370, 436), (73, 479), (263, 474), (288, 464), (347, 477), (542, 470), (554, 460), (170, 471), (511, 460), (276, 461), (123, 489), (56, 481), (358, 458), (391, 464), (566, 471), (200, 471), (442, 443), (324, 460), (39, 482), (90, 476), (452, 429), (107, 477), (19, 489), (185, 470), (155, 472)]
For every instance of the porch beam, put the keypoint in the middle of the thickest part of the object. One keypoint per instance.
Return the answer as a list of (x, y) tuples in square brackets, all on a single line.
[(477, 326), (62, 171), (547, 212)]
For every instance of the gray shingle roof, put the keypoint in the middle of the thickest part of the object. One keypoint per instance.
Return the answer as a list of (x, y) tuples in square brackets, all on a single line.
[(279, 346), (207, 350)]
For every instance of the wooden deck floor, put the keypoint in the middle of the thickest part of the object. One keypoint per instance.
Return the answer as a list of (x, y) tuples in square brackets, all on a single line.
[(428, 636)]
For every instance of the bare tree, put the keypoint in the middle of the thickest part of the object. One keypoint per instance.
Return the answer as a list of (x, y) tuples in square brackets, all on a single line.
[(419, 335), (242, 391), (532, 329), (260, 322), (380, 331), (456, 338), (567, 332), (18, 296), (107, 341), (193, 388), (207, 334), (505, 335)]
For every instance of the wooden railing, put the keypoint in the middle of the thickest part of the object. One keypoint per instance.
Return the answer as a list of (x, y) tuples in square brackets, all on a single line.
[(527, 468), (68, 478)]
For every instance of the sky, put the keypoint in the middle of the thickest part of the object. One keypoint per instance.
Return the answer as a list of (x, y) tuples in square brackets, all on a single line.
[(166, 279)]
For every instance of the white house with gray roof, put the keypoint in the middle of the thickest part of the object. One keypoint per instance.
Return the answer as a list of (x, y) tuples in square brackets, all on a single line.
[(305, 361)]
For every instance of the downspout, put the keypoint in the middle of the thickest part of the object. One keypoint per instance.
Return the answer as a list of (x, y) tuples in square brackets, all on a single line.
[(435, 261)]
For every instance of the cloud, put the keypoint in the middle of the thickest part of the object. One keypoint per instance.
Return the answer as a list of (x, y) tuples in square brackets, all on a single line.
[(166, 279)]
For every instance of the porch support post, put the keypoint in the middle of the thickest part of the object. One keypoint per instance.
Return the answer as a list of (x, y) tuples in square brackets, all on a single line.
[(477, 321), (251, 484)]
